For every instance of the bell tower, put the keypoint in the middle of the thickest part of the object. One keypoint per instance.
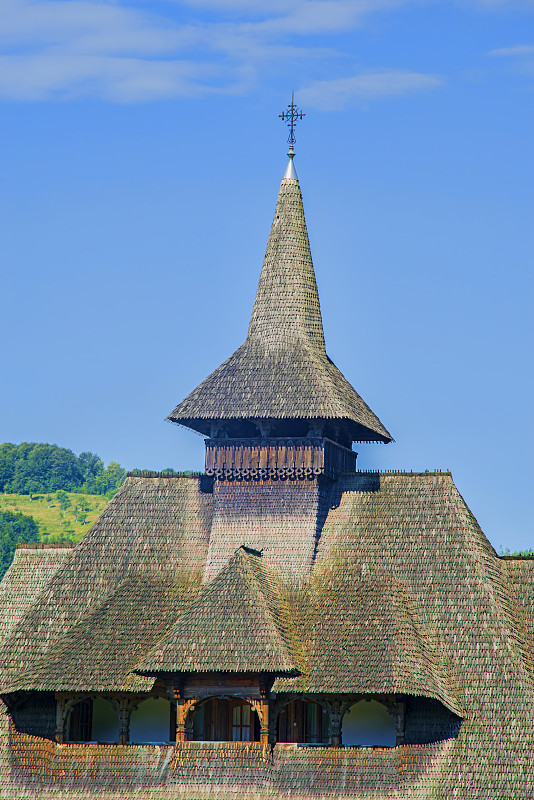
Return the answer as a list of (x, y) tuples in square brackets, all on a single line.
[(279, 408)]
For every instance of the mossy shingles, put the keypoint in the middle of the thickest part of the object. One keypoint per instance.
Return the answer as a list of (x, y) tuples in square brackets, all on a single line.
[(32, 568), (277, 517), (417, 532), (30, 572)]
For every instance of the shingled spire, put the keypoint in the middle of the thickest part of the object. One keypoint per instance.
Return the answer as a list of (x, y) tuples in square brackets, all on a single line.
[(280, 382), (287, 306)]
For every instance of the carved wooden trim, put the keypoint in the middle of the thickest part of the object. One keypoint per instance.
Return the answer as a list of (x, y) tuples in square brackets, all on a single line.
[(277, 458), (262, 709), (337, 709), (183, 707)]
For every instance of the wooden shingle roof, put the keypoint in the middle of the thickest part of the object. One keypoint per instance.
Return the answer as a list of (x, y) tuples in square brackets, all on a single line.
[(238, 623), (282, 370), (404, 595), (90, 626)]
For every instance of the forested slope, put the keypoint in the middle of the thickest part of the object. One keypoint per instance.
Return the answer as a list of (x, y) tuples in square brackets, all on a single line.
[(49, 494)]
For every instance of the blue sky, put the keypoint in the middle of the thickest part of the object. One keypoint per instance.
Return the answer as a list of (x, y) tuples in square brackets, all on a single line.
[(141, 156)]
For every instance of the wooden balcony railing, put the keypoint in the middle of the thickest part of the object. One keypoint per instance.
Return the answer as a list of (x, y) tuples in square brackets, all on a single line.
[(277, 458)]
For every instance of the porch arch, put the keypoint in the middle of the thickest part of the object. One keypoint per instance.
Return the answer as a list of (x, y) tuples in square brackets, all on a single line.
[(367, 723), (152, 721), (92, 719)]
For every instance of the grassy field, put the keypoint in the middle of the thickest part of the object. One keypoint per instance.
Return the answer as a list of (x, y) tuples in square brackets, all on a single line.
[(57, 524)]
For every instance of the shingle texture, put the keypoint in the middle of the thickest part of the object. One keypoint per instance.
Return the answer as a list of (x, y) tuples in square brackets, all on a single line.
[(282, 370), (225, 771), (403, 594), (240, 622), (126, 583), (31, 570)]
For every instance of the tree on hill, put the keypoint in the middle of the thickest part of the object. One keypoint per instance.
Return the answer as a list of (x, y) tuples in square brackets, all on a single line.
[(63, 499), (14, 528), (31, 468)]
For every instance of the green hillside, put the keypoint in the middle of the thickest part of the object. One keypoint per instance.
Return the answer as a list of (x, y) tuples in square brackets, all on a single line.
[(61, 516)]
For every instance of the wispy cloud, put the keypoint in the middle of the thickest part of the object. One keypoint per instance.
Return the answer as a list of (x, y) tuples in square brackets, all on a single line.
[(516, 50), (121, 50), (337, 94), (131, 50), (521, 57), (121, 80)]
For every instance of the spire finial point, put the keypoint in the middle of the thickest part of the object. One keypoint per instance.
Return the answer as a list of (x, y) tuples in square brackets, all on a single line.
[(290, 117)]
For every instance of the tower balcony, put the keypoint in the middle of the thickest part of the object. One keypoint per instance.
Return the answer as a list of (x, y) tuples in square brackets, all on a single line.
[(277, 458)]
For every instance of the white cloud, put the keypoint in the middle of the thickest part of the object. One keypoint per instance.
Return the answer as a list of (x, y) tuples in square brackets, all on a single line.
[(516, 50), (120, 80), (336, 94), (78, 23), (129, 50), (522, 58), (118, 51)]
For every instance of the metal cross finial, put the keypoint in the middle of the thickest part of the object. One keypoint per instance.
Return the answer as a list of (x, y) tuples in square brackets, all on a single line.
[(290, 117)]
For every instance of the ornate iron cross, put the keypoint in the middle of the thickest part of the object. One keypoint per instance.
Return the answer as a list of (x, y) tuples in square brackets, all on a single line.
[(290, 117)]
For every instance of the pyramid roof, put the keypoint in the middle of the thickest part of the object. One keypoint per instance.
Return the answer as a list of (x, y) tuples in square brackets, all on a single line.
[(238, 623)]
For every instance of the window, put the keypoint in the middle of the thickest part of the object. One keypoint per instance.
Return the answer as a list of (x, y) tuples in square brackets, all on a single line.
[(240, 721)]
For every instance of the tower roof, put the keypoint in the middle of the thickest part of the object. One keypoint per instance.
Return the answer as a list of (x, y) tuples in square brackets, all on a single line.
[(282, 371)]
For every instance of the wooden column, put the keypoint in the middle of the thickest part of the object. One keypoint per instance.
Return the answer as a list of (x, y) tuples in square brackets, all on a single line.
[(183, 707), (337, 709), (261, 706), (61, 714), (265, 685), (336, 717), (124, 708), (264, 719)]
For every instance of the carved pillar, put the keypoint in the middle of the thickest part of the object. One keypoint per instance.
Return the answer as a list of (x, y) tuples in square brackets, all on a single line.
[(336, 709), (182, 710), (261, 706), (124, 708), (61, 715)]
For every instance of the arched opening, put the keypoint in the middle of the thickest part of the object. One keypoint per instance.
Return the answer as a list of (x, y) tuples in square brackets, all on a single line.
[(225, 720), (369, 723), (303, 721), (152, 722), (93, 720)]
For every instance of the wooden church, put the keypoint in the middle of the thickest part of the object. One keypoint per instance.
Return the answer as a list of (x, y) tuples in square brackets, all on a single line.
[(282, 625)]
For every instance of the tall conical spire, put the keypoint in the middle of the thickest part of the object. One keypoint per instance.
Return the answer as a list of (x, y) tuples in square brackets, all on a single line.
[(287, 301)]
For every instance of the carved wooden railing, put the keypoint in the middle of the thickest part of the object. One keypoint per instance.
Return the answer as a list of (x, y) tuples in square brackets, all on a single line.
[(277, 458)]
